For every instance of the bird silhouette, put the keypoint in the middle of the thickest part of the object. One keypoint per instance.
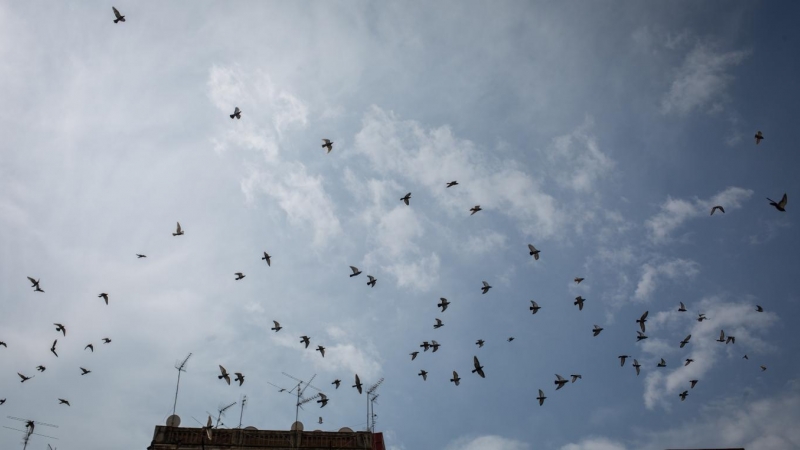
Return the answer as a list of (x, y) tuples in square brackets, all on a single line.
[(578, 280), (745, 357), (406, 198), (239, 275), (237, 113), (423, 374), (84, 371), (438, 324), (322, 399), (763, 368), (479, 343), (321, 349), (140, 256), (443, 303), (267, 258), (414, 355), (637, 366), (207, 429), (2, 400), (534, 307), (435, 346), (662, 363), (641, 321), (320, 419), (686, 340), (534, 252), (730, 340), (35, 284), (41, 368), (541, 397), (485, 287), (693, 383), (61, 401), (3, 344), (681, 308), (478, 367), (358, 384), (683, 395), (90, 347), (224, 374), (759, 136), (455, 378), (53, 348), (701, 317), (597, 330), (337, 383), (510, 339), (355, 270), (622, 359), (425, 346), (475, 209), (178, 230), (119, 17), (759, 308), (327, 143), (239, 378), (688, 361), (560, 381), (106, 340), (277, 326), (372, 281), (721, 336), (781, 205), (104, 296), (61, 328), (576, 378), (579, 301), (640, 336), (306, 340), (717, 208), (451, 184)]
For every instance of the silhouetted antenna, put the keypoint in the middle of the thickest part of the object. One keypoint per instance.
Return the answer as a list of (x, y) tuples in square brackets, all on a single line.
[(373, 400), (300, 390), (181, 368), (241, 413), (370, 398), (221, 411), (30, 425)]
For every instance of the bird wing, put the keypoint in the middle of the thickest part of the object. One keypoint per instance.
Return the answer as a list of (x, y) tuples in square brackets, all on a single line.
[(179, 227), (438, 321), (116, 13), (560, 378), (783, 201), (640, 333), (276, 323), (531, 248), (223, 371), (354, 269), (644, 316), (485, 284), (688, 337), (476, 363), (721, 334), (663, 362), (682, 306)]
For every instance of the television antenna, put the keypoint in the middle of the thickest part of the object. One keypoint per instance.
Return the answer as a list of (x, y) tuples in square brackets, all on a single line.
[(30, 425), (371, 396), (181, 368), (300, 391), (221, 412), (373, 400), (241, 412)]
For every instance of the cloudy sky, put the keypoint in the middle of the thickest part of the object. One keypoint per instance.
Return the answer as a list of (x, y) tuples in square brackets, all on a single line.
[(600, 132)]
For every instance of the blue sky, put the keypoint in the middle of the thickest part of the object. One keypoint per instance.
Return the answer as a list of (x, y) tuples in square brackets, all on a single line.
[(600, 132)]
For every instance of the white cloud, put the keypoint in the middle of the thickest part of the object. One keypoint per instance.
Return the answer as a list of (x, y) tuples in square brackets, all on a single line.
[(595, 443), (486, 242), (487, 443), (577, 161), (671, 269), (420, 274), (701, 80)]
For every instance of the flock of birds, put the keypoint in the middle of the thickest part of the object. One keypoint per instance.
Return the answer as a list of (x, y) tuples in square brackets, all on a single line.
[(432, 345)]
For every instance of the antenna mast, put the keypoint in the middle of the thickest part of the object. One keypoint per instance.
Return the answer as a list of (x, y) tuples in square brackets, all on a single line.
[(300, 399), (370, 398), (29, 427), (222, 410), (241, 413), (181, 368)]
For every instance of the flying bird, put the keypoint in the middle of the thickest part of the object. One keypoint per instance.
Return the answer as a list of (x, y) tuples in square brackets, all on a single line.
[(534, 307), (372, 281), (622, 359), (305, 339), (576, 378), (640, 336), (578, 280), (104, 296), (579, 301), (90, 347), (683, 395), (443, 304), (759, 308), (478, 367), (38, 289), (277, 326), (267, 258), (701, 317), (355, 270), (327, 143), (337, 382), (681, 308), (119, 17), (406, 198), (686, 340), (730, 340), (321, 349), (140, 256), (597, 330), (479, 343), (425, 346), (84, 371), (451, 184), (237, 113), (322, 399), (455, 378), (61, 401), (106, 340), (662, 363), (533, 252), (423, 374), (61, 328), (34, 283), (717, 208), (642, 320), (435, 345), (781, 205), (693, 383), (3, 344), (745, 357), (2, 400), (475, 209), (320, 419), (53, 348), (358, 384), (208, 428), (414, 355), (688, 361), (763, 368), (510, 339), (759, 136), (438, 324), (637, 366), (721, 336), (239, 378), (224, 375), (541, 397), (560, 381), (178, 231), (41, 368), (485, 287)]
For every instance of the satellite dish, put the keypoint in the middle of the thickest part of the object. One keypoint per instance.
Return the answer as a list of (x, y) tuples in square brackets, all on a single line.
[(297, 426), (251, 428), (173, 421), (345, 430)]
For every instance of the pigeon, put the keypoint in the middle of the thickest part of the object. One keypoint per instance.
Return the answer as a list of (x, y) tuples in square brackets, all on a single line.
[(479, 368), (358, 384), (61, 401), (425, 346), (693, 383), (3, 344), (485, 287), (475, 209), (597, 330), (534, 307), (178, 231), (640, 336), (730, 340), (560, 381), (90, 347), (622, 359), (355, 270), (423, 374), (53, 348), (406, 198), (662, 363), (681, 308), (455, 378), (84, 371), (372, 281), (224, 375), (759, 136), (320, 419), (759, 308), (239, 378), (321, 349), (104, 296), (267, 258), (337, 383), (579, 301), (533, 252), (763, 368), (686, 340), (781, 205), (208, 428), (140, 256), (637, 366), (479, 343), (717, 208), (106, 340), (119, 17), (745, 357), (322, 399), (38, 289), (305, 339), (576, 378), (541, 397), (721, 336), (277, 326), (237, 113), (688, 361), (701, 317), (578, 280), (438, 324), (510, 339), (435, 346), (443, 304), (41, 368), (2, 400), (642, 320), (414, 355), (327, 143), (239, 275), (683, 395), (451, 184), (34, 283), (61, 328)]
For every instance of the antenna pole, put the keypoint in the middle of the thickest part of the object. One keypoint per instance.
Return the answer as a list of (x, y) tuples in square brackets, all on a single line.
[(241, 413), (181, 368)]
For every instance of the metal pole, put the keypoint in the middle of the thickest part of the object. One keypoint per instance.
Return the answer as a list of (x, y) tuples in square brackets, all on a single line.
[(175, 404)]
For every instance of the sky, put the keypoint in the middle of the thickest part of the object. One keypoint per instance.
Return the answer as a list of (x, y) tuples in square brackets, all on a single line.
[(600, 132)]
